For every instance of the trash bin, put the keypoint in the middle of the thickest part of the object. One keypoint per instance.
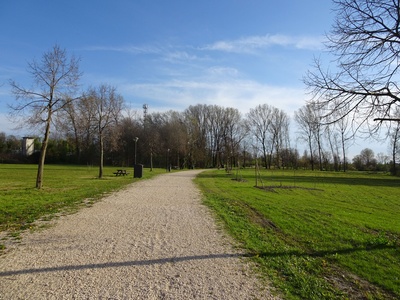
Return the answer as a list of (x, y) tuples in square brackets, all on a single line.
[(138, 171)]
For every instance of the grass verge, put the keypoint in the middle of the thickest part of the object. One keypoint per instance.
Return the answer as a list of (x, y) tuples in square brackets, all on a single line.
[(316, 235), (65, 189)]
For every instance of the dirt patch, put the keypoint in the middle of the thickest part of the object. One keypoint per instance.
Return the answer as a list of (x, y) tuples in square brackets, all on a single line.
[(354, 286)]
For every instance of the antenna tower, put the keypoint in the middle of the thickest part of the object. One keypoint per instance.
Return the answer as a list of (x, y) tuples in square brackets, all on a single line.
[(145, 108)]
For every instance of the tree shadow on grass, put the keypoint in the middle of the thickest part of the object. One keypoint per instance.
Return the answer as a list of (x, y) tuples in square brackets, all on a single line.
[(318, 178), (323, 253)]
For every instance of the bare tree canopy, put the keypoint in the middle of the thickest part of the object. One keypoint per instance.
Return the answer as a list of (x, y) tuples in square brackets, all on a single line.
[(55, 79), (105, 105), (365, 40)]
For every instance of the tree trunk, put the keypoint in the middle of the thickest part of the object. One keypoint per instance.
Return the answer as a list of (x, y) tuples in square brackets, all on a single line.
[(319, 153), (394, 171), (101, 156), (77, 142), (39, 177), (151, 159), (265, 155), (394, 149), (344, 155), (311, 154)]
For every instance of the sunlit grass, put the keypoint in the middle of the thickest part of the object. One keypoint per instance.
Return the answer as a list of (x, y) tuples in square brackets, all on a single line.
[(64, 188), (318, 235)]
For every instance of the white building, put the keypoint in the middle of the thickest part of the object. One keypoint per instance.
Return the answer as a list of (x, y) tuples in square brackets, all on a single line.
[(28, 146)]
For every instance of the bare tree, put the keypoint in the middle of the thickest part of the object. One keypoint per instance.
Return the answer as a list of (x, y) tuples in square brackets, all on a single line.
[(105, 104), (318, 133), (367, 156), (130, 127), (196, 121), (279, 134), (174, 137), (346, 137), (216, 132), (213, 135), (234, 132), (223, 134), (259, 122), (55, 81), (70, 123), (332, 138), (365, 40), (395, 144), (306, 120), (77, 122), (3, 142)]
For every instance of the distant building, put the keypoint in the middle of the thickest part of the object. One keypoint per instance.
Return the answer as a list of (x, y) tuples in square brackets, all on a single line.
[(28, 146)]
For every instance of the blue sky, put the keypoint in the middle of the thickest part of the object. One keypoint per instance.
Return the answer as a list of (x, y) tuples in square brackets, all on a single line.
[(171, 54)]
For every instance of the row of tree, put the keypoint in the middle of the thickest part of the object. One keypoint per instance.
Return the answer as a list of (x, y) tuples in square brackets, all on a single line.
[(96, 129)]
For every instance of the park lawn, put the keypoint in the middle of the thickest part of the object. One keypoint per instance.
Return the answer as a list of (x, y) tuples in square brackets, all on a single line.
[(316, 235), (65, 188)]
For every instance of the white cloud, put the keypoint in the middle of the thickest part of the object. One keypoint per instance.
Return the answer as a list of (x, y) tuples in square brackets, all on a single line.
[(177, 56), (252, 43), (247, 44), (240, 94), (126, 49), (223, 71)]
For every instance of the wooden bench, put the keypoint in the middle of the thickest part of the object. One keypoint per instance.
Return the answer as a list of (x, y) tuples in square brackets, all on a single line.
[(121, 173)]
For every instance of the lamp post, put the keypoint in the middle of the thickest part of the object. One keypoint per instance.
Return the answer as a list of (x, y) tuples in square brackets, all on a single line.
[(167, 159), (135, 139)]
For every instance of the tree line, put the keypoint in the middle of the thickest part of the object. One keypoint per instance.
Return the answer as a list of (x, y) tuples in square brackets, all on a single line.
[(88, 131)]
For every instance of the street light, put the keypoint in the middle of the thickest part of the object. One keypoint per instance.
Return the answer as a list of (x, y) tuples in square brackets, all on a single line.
[(168, 169), (135, 139)]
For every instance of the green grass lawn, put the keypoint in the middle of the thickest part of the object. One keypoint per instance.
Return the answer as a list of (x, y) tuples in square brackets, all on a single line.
[(317, 235), (65, 188)]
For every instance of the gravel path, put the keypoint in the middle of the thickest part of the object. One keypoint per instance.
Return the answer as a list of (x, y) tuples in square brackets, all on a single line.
[(152, 240)]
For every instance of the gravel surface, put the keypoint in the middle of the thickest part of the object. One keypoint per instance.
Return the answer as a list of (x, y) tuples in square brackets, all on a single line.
[(152, 240)]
